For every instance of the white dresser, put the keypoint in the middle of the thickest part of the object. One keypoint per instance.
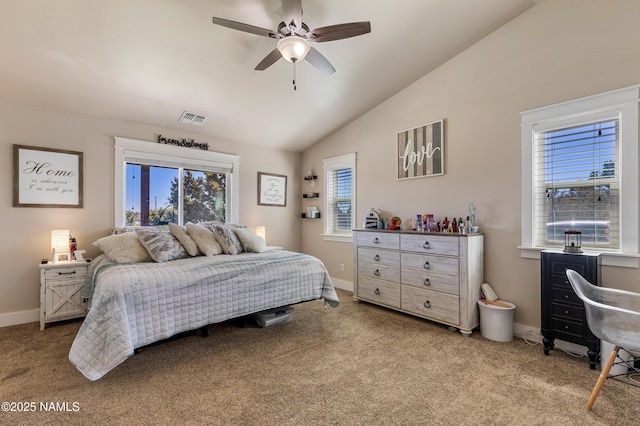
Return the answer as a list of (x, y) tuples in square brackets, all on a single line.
[(430, 275)]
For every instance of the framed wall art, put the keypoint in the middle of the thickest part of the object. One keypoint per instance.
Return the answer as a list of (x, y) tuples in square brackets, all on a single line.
[(46, 177), (272, 190), (420, 151)]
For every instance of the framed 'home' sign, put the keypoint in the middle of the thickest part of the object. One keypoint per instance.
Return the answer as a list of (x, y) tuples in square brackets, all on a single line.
[(46, 177), (420, 151)]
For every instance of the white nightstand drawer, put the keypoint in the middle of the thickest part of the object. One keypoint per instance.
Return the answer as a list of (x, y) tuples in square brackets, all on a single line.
[(66, 272)]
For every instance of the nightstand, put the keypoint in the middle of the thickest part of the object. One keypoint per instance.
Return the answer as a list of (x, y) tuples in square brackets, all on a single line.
[(61, 291)]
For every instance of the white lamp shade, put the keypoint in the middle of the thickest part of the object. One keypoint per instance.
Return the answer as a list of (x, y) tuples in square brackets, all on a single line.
[(293, 48), (60, 240), (261, 232)]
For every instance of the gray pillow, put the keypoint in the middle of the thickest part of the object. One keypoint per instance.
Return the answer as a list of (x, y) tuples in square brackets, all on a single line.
[(162, 246), (226, 238)]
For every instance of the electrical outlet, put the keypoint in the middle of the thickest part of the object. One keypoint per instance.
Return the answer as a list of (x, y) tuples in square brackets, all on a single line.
[(342, 267)]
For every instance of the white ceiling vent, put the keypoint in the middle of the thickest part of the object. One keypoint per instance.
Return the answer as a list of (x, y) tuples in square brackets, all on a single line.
[(192, 118)]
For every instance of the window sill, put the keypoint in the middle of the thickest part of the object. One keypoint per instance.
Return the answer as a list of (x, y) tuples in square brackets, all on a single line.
[(339, 238), (623, 260)]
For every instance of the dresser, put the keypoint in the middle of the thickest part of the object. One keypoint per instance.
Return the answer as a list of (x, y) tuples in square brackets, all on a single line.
[(563, 314), (430, 275), (61, 291)]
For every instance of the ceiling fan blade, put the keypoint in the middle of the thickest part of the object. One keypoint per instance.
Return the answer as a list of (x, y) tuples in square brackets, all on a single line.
[(292, 12), (269, 60), (340, 31), (244, 27), (316, 59)]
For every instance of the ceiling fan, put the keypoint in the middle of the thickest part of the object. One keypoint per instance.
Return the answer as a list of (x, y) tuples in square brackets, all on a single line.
[(294, 36)]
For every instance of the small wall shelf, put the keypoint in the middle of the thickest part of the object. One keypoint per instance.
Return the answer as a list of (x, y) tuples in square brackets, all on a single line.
[(311, 195), (313, 177), (304, 216)]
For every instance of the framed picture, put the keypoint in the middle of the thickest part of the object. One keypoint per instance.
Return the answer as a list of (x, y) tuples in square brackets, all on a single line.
[(420, 151), (272, 190), (62, 257), (46, 177)]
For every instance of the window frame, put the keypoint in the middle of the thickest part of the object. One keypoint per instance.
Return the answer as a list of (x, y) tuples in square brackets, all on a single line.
[(173, 156), (621, 103), (346, 161)]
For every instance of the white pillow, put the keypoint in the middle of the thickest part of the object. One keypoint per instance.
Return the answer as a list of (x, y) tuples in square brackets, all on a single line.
[(250, 241), (182, 235), (161, 246), (204, 239), (123, 248)]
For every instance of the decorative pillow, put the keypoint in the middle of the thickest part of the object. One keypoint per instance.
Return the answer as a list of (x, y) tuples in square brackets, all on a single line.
[(227, 238), (205, 240), (182, 235), (123, 248), (250, 241), (162, 246)]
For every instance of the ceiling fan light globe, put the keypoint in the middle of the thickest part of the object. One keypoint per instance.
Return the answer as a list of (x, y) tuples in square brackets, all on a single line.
[(293, 48)]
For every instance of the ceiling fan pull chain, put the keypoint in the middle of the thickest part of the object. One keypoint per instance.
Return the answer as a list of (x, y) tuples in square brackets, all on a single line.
[(294, 75)]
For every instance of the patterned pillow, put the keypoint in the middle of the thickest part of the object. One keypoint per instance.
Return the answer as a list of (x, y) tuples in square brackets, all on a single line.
[(162, 246), (226, 238), (205, 240), (250, 241), (123, 248), (181, 233)]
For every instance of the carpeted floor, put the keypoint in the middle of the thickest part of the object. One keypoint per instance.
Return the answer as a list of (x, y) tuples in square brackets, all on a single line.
[(357, 364)]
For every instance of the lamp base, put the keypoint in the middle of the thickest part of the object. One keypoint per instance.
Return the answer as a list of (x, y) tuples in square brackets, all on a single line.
[(572, 250)]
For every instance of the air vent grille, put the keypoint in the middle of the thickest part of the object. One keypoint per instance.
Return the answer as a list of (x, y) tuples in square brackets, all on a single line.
[(192, 118)]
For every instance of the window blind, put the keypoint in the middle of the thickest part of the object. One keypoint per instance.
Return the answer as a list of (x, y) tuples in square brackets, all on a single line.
[(339, 186), (576, 184)]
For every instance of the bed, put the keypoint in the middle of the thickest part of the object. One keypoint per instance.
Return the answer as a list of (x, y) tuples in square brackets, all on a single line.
[(135, 304)]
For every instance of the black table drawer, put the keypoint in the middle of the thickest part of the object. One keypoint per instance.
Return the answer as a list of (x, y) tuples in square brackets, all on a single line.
[(575, 313), (565, 296), (567, 330)]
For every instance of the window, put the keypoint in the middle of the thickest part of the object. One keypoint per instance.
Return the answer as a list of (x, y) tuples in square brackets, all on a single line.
[(580, 172), (340, 184), (575, 185), (159, 184)]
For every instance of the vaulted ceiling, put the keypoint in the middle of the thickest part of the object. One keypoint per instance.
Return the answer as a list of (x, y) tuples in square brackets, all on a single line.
[(149, 61)]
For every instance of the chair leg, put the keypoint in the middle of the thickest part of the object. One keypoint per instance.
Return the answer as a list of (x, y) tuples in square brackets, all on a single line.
[(603, 376)]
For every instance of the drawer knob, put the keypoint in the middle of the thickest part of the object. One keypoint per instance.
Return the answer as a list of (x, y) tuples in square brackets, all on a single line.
[(376, 273), (376, 241), (426, 265), (426, 245), (566, 296), (426, 282), (376, 257), (566, 312), (427, 304), (376, 291)]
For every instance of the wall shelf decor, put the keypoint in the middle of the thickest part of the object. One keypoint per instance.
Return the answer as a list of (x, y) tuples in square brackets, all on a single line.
[(311, 195)]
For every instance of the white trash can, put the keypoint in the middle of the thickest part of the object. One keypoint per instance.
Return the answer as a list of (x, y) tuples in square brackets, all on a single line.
[(496, 322)]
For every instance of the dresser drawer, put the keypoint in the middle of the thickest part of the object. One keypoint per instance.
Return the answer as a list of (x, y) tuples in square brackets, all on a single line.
[(575, 313), (565, 296), (432, 304), (566, 330), (429, 243), (379, 271), (65, 273), (422, 278), (379, 291), (378, 239), (436, 264), (377, 256)]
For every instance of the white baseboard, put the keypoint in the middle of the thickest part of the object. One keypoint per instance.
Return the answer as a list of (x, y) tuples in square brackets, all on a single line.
[(16, 318), (532, 334), (342, 285)]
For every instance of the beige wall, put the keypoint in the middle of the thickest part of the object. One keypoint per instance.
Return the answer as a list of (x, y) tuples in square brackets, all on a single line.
[(26, 231), (557, 51)]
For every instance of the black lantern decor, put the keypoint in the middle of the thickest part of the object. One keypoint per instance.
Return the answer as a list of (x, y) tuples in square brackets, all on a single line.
[(572, 242)]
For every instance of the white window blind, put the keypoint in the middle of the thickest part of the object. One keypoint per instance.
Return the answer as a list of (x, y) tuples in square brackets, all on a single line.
[(339, 201), (576, 184)]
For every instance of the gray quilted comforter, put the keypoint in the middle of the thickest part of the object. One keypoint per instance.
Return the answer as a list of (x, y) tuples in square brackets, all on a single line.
[(133, 305)]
